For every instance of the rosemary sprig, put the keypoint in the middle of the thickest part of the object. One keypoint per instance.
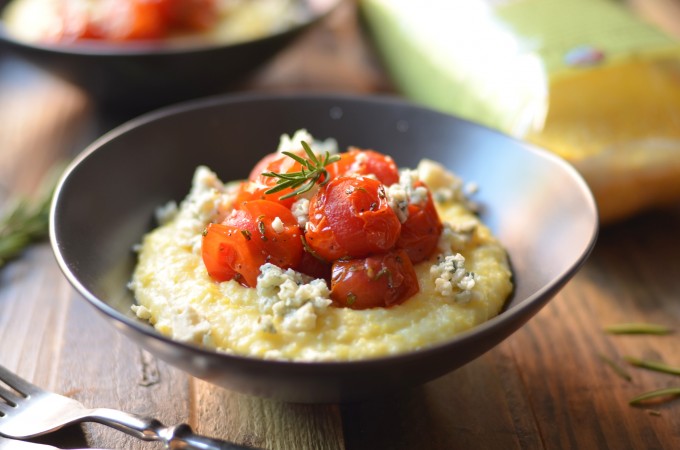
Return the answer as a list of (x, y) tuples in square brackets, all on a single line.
[(657, 396), (25, 222), (652, 365), (313, 170), (638, 328), (620, 371)]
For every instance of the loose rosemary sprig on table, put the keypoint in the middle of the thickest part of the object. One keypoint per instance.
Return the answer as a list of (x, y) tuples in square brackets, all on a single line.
[(658, 395), (637, 328), (313, 171), (655, 396), (652, 365), (25, 221), (620, 371)]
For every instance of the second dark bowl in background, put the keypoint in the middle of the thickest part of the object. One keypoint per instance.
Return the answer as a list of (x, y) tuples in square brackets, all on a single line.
[(132, 78)]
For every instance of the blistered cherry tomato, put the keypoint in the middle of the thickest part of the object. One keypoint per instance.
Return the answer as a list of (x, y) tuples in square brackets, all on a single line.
[(74, 23), (350, 217), (272, 162), (365, 162), (376, 281), (190, 15), (130, 20), (420, 233), (257, 232), (314, 267), (123, 20), (257, 185), (230, 254)]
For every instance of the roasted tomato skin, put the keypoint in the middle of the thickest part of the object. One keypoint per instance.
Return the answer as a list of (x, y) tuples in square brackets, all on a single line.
[(257, 185), (351, 217), (255, 233), (281, 239), (271, 162), (421, 230), (376, 281), (314, 267), (356, 161), (188, 14), (126, 20), (229, 254)]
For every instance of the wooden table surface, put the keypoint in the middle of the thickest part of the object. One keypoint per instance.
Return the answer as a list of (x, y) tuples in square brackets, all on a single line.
[(544, 387)]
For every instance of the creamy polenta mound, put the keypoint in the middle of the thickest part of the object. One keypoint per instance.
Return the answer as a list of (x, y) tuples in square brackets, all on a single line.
[(290, 316)]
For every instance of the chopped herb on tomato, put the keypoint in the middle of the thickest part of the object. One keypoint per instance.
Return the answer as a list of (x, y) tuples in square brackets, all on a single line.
[(381, 280), (348, 225)]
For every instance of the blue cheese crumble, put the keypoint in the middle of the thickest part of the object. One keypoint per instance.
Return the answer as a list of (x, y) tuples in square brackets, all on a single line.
[(456, 236), (289, 299), (294, 143), (300, 210), (405, 192), (451, 279)]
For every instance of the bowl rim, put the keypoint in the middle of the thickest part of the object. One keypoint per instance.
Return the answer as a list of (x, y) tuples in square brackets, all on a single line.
[(105, 49), (514, 313)]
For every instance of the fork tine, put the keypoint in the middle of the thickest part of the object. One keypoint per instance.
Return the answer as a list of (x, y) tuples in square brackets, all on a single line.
[(9, 396), (3, 407), (17, 383)]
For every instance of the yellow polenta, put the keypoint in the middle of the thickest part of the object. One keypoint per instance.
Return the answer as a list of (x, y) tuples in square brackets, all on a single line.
[(464, 284)]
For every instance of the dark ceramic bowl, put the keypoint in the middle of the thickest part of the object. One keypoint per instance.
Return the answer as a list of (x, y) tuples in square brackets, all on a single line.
[(134, 78), (534, 202)]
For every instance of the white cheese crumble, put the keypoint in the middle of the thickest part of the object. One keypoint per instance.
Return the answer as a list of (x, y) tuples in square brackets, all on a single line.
[(404, 193), (188, 325), (290, 300), (142, 312), (293, 143), (398, 201), (209, 200), (358, 163), (277, 225), (300, 210), (445, 186), (456, 236), (451, 279)]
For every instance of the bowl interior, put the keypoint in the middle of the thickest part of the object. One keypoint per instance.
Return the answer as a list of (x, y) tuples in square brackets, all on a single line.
[(534, 202)]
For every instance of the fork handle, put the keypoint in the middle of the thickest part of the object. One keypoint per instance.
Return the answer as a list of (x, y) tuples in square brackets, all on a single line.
[(178, 437)]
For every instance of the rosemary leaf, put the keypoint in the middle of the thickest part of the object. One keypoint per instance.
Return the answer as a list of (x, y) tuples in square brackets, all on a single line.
[(17, 214), (659, 395), (620, 371), (24, 222), (281, 186), (12, 244), (638, 328), (310, 153), (284, 176), (652, 365), (304, 180), (297, 158)]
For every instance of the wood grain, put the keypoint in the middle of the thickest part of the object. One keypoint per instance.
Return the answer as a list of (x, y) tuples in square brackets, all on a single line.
[(546, 387)]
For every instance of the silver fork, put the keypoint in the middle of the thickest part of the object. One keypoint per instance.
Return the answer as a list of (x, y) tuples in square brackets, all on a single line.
[(28, 411), (12, 444)]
